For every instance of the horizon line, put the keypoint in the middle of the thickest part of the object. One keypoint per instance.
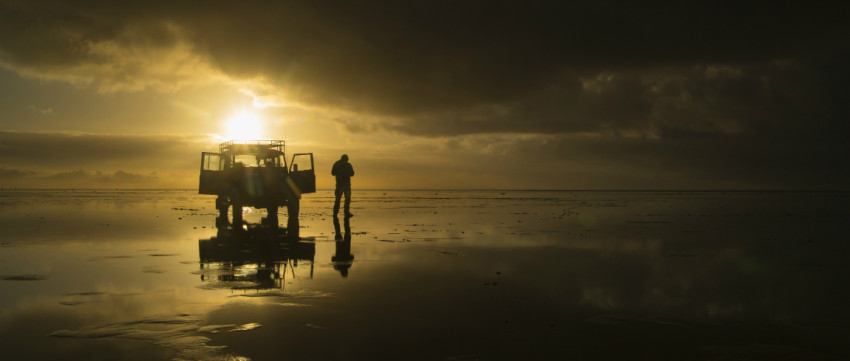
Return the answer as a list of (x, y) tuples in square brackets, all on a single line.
[(470, 189)]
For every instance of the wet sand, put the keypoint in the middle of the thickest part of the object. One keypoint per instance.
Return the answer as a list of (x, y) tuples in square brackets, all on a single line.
[(428, 275)]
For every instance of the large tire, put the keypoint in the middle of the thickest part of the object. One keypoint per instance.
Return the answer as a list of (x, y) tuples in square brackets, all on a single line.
[(292, 208), (236, 201), (237, 215), (292, 224), (221, 204), (271, 218)]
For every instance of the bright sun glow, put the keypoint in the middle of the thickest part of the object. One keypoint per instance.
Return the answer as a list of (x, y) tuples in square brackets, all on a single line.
[(244, 125)]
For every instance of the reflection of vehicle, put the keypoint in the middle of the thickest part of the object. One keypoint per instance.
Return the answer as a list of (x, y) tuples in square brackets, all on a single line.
[(255, 174), (253, 258)]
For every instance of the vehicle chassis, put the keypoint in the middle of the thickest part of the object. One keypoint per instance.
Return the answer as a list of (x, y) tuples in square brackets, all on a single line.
[(254, 173)]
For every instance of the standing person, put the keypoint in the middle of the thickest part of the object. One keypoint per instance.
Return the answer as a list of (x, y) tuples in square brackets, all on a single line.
[(343, 172)]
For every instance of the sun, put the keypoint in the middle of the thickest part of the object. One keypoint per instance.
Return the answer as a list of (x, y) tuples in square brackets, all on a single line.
[(244, 125)]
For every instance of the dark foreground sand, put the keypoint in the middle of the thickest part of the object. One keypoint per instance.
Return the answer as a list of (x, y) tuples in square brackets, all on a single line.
[(105, 275)]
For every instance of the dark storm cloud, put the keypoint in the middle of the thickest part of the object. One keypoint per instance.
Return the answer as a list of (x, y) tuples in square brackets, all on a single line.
[(11, 173), (16, 178), (70, 151), (84, 160), (746, 92), (709, 162), (660, 102), (594, 161), (99, 179), (435, 67)]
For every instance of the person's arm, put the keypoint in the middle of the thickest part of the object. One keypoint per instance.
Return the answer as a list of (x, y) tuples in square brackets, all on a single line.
[(351, 169)]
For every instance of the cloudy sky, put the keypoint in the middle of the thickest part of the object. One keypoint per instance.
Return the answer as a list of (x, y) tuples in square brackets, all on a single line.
[(430, 94)]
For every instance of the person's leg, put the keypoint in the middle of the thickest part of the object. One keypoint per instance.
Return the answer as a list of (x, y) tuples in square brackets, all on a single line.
[(337, 194), (347, 200)]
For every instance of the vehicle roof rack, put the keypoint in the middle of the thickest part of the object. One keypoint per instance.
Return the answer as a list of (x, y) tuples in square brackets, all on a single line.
[(251, 146)]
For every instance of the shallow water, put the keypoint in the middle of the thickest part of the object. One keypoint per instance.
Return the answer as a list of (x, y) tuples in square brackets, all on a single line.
[(428, 275)]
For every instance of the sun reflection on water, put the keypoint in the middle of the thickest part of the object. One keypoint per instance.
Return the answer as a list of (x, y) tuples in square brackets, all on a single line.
[(499, 268)]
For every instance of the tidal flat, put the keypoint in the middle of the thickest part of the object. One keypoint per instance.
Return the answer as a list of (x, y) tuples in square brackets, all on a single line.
[(428, 275)]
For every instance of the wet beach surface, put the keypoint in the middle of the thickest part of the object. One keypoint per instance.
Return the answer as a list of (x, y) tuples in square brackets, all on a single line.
[(428, 275)]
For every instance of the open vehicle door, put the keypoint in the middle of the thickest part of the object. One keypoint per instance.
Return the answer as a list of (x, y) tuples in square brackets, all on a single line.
[(301, 172), (211, 169)]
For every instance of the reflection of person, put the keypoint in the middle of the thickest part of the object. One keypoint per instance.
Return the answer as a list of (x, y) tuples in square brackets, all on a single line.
[(343, 258), (343, 171)]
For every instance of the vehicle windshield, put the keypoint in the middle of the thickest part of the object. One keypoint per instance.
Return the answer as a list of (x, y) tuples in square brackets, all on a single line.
[(248, 160)]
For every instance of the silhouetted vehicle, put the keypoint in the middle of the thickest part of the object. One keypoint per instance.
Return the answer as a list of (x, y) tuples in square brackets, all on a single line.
[(254, 173)]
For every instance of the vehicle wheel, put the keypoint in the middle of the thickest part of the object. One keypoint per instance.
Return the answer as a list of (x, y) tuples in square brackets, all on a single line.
[(237, 210), (221, 204), (292, 207), (237, 214), (271, 218)]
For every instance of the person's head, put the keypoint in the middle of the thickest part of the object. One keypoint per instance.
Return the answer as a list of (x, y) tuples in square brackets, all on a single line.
[(344, 157)]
